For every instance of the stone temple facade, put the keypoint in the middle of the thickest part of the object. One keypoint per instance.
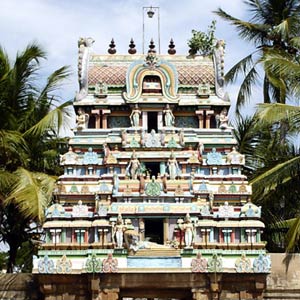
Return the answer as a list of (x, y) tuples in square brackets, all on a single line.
[(153, 183)]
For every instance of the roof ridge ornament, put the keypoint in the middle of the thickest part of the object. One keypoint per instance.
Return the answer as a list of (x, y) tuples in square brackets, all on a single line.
[(151, 60)]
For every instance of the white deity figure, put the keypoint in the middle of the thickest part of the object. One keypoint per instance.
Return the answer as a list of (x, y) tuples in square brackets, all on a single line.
[(188, 228), (135, 117), (133, 166), (223, 119), (168, 117), (173, 166), (82, 119), (119, 231)]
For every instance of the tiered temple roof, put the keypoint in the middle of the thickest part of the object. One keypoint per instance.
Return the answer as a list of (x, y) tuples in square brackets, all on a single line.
[(152, 179)]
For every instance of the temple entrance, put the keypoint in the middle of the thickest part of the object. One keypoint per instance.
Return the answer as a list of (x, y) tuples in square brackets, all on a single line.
[(153, 168), (154, 230), (152, 121)]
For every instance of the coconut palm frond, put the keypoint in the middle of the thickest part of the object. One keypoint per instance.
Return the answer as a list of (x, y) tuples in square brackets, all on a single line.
[(246, 30), (293, 235), (246, 88), (277, 175), (54, 82), (275, 112), (53, 121), (31, 193), (241, 67)]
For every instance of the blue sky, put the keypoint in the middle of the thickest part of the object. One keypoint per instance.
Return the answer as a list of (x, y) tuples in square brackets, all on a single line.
[(57, 25)]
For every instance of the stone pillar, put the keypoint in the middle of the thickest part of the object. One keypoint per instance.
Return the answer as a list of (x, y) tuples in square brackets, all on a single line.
[(166, 229), (105, 232), (159, 120), (200, 294), (209, 114), (108, 294), (96, 112), (200, 114), (144, 120), (105, 112)]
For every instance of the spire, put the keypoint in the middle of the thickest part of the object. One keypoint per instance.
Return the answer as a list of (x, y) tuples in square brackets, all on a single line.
[(172, 49), (151, 47), (132, 49), (112, 47)]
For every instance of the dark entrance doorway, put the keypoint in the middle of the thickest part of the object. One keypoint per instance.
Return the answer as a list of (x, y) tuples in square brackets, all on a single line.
[(153, 168), (154, 230), (152, 121)]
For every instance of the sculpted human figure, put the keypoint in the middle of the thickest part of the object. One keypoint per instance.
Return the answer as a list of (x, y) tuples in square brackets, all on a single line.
[(124, 138), (188, 229), (223, 119), (173, 166), (135, 117), (82, 119), (168, 116), (181, 137), (106, 152), (142, 184), (119, 231), (133, 166)]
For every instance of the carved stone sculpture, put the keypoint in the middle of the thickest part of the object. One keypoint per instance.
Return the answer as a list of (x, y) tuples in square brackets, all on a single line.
[(168, 117)]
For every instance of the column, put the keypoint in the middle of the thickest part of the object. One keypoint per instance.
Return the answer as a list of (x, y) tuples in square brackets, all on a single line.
[(200, 114), (96, 238), (211, 235), (144, 120), (166, 230), (162, 168), (159, 120), (105, 113), (55, 234), (209, 114), (100, 234), (96, 112), (105, 231), (63, 235)]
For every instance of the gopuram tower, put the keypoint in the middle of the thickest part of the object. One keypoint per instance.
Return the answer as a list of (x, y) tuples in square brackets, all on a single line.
[(153, 202)]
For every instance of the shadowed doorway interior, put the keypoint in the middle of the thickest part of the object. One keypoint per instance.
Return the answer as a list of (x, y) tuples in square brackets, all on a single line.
[(154, 230)]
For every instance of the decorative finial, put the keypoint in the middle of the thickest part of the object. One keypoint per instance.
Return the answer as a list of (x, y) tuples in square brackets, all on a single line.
[(151, 47), (172, 49), (132, 49), (112, 47)]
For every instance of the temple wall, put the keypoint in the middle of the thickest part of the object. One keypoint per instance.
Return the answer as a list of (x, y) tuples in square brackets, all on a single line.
[(282, 284)]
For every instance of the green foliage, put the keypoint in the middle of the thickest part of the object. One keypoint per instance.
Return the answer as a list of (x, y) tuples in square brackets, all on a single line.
[(203, 42), (272, 26), (31, 118)]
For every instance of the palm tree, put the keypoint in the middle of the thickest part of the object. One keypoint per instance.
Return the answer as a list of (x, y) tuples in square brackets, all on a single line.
[(273, 24), (29, 132)]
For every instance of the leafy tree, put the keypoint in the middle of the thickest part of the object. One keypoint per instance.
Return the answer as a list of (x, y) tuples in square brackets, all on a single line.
[(273, 25), (29, 135), (202, 42)]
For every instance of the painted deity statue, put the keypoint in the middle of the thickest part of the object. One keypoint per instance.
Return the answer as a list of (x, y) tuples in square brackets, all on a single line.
[(223, 119), (119, 231), (82, 119), (188, 229), (133, 166), (173, 166), (135, 117), (168, 116)]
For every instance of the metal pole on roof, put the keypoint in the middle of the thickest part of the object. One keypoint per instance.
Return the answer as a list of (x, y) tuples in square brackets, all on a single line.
[(150, 11)]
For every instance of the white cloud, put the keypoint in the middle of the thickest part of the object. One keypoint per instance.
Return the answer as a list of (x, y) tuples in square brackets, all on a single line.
[(57, 25)]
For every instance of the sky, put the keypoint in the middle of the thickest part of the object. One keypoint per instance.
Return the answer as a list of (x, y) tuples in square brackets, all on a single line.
[(58, 24)]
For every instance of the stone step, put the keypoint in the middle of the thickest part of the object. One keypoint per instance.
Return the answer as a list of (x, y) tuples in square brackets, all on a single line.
[(158, 252)]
